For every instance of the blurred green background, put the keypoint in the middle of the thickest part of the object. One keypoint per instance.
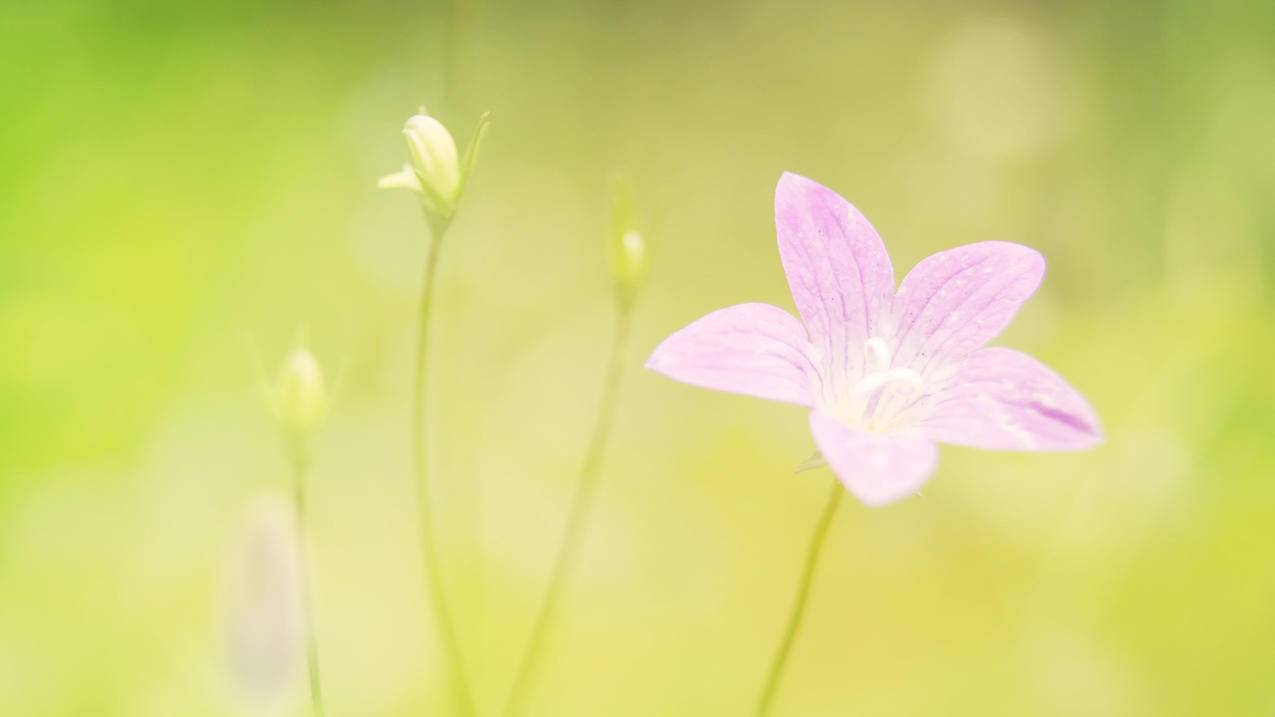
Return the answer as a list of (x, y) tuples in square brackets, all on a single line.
[(183, 183)]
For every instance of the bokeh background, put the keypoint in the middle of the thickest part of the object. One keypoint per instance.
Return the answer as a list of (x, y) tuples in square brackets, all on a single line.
[(183, 183)]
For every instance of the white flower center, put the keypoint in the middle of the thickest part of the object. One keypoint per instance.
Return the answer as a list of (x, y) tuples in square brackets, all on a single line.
[(880, 398)]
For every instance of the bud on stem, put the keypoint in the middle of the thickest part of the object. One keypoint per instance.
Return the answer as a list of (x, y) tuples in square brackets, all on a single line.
[(298, 396), (433, 153), (436, 172), (629, 263), (300, 392)]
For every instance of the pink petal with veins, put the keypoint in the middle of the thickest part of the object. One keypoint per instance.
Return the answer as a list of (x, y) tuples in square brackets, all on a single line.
[(754, 349), (1005, 400), (838, 269), (955, 301), (878, 468)]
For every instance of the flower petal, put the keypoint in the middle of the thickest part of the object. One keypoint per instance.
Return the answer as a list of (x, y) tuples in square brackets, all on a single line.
[(838, 270), (955, 301), (878, 468), (755, 349), (405, 178), (1005, 400)]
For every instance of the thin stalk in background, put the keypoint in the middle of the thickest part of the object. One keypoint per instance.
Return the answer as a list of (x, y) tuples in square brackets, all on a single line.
[(425, 518), (438, 177), (798, 610), (300, 470), (628, 270), (298, 400), (577, 519)]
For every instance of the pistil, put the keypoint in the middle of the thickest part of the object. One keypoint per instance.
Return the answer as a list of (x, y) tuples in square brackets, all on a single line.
[(873, 394)]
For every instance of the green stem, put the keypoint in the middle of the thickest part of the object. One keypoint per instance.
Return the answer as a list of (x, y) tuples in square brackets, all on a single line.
[(799, 606), (429, 544), (577, 518), (299, 472)]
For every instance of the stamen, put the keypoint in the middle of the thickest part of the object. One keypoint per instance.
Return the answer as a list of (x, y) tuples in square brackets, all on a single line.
[(876, 398), (873, 381), (880, 351)]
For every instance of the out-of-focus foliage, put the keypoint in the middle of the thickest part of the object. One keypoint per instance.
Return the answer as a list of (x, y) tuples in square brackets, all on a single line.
[(181, 183)]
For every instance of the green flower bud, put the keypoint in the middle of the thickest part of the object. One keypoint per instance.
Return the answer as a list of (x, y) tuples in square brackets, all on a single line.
[(435, 173), (629, 265), (435, 160), (300, 395), (629, 262)]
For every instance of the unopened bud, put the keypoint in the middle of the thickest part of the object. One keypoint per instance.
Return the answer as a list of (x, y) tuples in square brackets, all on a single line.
[(300, 393), (435, 173), (629, 263), (434, 158)]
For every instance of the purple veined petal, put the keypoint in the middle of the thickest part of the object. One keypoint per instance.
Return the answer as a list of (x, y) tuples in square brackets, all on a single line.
[(1005, 400), (879, 468), (838, 269), (955, 301), (754, 349)]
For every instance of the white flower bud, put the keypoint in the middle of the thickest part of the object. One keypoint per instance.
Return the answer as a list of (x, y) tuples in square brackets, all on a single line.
[(629, 263), (435, 173), (434, 158), (300, 393)]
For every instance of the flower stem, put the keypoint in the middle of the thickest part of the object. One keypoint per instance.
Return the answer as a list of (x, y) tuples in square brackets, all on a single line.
[(299, 473), (577, 518), (432, 572), (799, 605)]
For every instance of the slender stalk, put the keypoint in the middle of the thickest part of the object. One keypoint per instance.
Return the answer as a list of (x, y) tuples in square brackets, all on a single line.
[(299, 472), (432, 571), (799, 605), (577, 518)]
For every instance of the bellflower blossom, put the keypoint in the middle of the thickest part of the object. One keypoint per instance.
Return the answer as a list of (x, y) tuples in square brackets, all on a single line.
[(887, 373)]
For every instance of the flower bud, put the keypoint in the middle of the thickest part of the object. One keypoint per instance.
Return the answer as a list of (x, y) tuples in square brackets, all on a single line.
[(300, 394), (629, 262), (434, 158)]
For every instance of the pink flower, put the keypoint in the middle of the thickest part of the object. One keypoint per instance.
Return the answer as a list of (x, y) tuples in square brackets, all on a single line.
[(887, 373)]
